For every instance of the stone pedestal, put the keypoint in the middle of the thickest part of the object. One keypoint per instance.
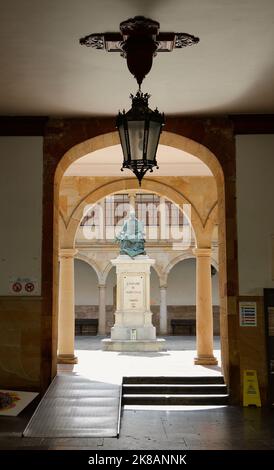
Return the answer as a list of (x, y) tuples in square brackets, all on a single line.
[(133, 329)]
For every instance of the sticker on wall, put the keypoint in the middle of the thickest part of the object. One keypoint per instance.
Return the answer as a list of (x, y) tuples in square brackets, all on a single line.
[(272, 257), (29, 286), (16, 287), (23, 286), (248, 313)]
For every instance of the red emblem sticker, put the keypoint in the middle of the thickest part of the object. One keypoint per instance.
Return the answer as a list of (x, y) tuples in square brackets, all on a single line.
[(29, 287), (17, 286)]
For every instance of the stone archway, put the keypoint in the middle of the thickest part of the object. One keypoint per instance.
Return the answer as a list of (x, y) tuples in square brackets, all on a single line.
[(202, 230), (190, 291), (101, 283), (199, 151), (91, 263)]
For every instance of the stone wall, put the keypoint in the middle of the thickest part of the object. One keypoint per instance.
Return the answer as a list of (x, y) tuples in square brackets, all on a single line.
[(209, 138), (31, 339), (92, 311), (199, 191), (253, 347), (20, 343), (173, 312)]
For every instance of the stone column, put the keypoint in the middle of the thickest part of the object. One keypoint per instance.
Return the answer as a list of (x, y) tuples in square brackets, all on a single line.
[(66, 320), (163, 225), (102, 309), (102, 228), (163, 310), (132, 197), (204, 312)]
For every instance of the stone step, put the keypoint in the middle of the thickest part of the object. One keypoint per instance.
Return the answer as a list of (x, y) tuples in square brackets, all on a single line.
[(170, 400), (175, 389), (203, 380)]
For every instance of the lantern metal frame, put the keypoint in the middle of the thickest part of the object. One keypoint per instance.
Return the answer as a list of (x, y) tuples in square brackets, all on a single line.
[(139, 41), (139, 112)]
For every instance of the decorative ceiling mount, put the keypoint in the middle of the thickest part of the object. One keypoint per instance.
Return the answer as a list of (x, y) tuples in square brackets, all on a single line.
[(138, 41)]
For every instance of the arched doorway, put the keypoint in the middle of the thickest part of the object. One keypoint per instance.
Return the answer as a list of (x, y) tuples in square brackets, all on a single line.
[(181, 297), (90, 304), (94, 241), (176, 141), (86, 298)]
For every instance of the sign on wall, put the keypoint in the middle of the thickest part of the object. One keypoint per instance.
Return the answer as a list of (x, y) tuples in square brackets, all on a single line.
[(251, 395), (23, 286), (133, 289), (248, 313), (272, 257)]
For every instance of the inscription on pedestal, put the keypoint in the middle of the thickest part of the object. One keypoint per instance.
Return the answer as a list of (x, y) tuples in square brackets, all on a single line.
[(133, 292)]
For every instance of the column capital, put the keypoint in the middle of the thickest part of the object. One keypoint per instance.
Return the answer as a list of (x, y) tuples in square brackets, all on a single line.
[(101, 286), (67, 252), (163, 286), (202, 252)]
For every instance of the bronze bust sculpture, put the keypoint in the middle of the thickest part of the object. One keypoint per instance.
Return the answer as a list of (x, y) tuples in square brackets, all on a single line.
[(131, 237)]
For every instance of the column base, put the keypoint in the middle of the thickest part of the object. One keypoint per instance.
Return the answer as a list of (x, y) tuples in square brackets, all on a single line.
[(206, 361), (67, 359), (163, 333), (101, 333)]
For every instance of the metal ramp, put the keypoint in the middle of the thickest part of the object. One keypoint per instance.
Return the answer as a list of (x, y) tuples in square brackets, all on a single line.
[(76, 406)]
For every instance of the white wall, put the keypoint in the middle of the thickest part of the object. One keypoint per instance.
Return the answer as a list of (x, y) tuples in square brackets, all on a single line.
[(255, 212), (21, 166), (181, 285), (86, 284)]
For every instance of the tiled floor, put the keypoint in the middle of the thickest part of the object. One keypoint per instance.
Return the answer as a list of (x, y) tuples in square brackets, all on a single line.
[(111, 366), (185, 428)]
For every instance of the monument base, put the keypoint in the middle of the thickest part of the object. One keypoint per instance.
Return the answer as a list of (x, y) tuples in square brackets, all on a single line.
[(133, 329), (142, 333), (134, 345)]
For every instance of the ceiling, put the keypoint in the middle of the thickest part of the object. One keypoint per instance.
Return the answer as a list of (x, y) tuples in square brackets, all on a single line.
[(108, 162), (44, 70)]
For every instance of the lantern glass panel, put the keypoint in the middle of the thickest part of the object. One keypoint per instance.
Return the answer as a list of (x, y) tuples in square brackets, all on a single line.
[(136, 139), (153, 139), (123, 141)]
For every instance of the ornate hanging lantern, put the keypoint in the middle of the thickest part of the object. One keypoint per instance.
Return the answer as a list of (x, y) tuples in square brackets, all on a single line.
[(139, 131), (138, 41)]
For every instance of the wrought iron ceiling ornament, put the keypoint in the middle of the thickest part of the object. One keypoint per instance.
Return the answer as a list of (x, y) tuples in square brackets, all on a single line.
[(139, 41)]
